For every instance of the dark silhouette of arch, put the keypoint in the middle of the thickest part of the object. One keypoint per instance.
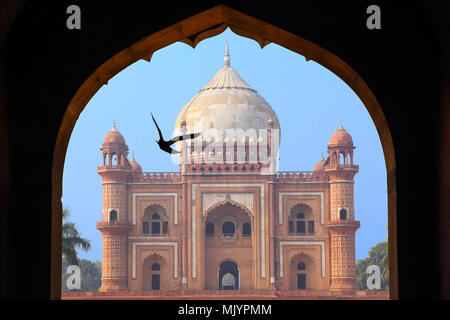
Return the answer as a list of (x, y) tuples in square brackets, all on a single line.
[(343, 214), (231, 204), (156, 266), (228, 229), (113, 215)]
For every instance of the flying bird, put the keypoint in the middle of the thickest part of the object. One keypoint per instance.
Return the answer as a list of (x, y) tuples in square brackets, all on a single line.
[(165, 145)]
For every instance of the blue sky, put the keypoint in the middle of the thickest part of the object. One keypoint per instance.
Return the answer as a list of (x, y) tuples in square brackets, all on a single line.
[(310, 102)]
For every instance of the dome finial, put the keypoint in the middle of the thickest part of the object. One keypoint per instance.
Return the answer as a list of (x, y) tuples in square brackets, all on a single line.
[(322, 158), (114, 126), (132, 156), (227, 55)]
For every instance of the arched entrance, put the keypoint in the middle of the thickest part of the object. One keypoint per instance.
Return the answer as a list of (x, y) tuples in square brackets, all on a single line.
[(301, 276), (228, 236), (228, 276), (302, 273)]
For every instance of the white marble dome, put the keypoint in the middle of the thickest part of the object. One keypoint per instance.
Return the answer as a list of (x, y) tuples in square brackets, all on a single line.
[(226, 102)]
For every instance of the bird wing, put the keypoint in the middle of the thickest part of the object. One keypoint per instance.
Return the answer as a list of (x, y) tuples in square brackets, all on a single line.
[(159, 131), (327, 162), (184, 137), (169, 150)]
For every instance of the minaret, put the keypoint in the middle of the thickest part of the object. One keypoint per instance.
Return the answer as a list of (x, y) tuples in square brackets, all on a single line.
[(115, 224), (342, 224)]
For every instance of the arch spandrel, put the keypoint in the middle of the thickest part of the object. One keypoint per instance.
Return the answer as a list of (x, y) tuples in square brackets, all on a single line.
[(153, 257), (207, 24), (159, 208), (300, 207), (228, 203)]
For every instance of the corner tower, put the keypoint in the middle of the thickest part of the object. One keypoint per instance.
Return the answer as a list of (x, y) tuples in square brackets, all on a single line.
[(342, 224), (115, 225)]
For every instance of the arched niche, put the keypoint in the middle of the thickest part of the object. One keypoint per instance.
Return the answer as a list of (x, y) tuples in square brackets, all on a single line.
[(302, 271), (155, 273)]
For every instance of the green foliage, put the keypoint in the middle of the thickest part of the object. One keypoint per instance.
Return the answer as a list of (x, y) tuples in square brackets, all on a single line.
[(91, 275), (91, 272), (378, 255)]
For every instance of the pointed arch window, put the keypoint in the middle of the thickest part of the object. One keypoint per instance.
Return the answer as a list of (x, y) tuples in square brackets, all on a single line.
[(155, 276), (154, 221), (113, 215), (343, 214), (156, 266), (301, 220)]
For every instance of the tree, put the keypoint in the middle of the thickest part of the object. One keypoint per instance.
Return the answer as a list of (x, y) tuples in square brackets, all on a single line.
[(377, 256), (91, 275), (71, 239)]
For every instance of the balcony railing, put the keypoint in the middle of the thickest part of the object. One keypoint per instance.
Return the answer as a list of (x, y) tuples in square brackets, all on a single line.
[(156, 177), (341, 166), (281, 176), (296, 176)]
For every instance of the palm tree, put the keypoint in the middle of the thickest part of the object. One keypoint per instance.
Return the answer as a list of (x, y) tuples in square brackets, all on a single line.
[(71, 239), (385, 263)]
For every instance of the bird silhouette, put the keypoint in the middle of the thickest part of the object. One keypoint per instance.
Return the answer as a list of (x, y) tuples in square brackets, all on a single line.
[(165, 145)]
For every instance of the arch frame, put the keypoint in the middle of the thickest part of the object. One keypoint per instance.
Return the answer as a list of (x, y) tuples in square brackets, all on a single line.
[(232, 203), (147, 268), (192, 30), (310, 268), (308, 212), (163, 212)]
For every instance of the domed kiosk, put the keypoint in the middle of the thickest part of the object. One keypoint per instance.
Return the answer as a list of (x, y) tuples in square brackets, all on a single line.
[(227, 102)]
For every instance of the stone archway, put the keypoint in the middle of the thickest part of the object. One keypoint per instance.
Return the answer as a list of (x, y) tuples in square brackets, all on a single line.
[(191, 31), (228, 275), (228, 242)]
